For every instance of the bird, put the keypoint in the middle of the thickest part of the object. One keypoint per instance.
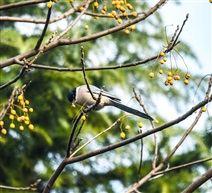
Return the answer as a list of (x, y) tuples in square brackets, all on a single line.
[(81, 96)]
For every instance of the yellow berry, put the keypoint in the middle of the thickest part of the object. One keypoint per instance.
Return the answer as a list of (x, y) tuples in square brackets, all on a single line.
[(161, 61), (162, 53), (12, 125), (31, 110), (73, 105), (96, 4), (25, 110), (19, 119), (122, 135), (126, 31), (20, 97), (169, 73), (1, 123), (49, 4), (83, 118), (187, 76), (11, 117), (140, 125), (4, 131), (204, 109), (129, 6), (22, 117), (81, 8), (26, 118), (26, 122), (13, 111), (104, 8), (132, 27), (26, 102), (21, 128), (124, 14), (119, 21), (118, 6), (113, 13), (22, 102), (164, 59), (134, 13), (186, 81), (178, 77), (127, 127), (122, 9), (166, 83), (71, 1), (86, 27), (160, 71), (103, 12), (171, 82), (169, 79), (31, 126), (151, 75)]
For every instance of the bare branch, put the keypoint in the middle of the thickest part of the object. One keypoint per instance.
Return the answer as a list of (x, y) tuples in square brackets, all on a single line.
[(165, 161), (197, 183), (22, 3), (44, 29), (32, 187), (74, 22), (69, 41), (142, 135), (84, 74), (22, 72), (182, 166)]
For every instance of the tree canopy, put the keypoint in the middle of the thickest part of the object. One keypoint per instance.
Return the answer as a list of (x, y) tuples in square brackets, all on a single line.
[(49, 47)]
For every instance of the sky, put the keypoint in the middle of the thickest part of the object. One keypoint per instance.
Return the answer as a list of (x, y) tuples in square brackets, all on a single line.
[(197, 31)]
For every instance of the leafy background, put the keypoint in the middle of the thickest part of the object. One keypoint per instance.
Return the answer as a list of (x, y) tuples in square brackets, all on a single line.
[(29, 155)]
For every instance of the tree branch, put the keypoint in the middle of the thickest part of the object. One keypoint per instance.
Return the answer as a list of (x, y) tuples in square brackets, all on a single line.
[(140, 136), (22, 3), (69, 41), (197, 183)]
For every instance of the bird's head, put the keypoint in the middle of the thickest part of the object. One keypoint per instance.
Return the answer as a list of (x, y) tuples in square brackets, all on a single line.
[(71, 95)]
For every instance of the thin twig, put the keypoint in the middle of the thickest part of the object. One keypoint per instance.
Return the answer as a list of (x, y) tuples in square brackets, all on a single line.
[(138, 98), (167, 158), (22, 72), (84, 74), (74, 22), (72, 155), (142, 135), (70, 141), (20, 4), (141, 159), (32, 187), (69, 41), (44, 29), (182, 166)]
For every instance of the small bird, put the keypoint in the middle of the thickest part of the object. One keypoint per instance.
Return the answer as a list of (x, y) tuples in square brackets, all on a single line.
[(82, 96)]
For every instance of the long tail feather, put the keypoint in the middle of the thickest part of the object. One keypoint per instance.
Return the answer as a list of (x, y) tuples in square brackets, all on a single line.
[(132, 111)]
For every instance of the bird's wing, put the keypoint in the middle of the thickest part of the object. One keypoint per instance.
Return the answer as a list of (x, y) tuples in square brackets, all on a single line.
[(104, 93)]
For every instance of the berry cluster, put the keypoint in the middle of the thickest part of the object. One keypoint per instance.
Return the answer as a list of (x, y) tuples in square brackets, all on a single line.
[(127, 127), (120, 9), (171, 74), (49, 4), (19, 113)]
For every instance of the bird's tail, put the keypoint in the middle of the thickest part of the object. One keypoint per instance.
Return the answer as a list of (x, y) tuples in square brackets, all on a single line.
[(132, 111)]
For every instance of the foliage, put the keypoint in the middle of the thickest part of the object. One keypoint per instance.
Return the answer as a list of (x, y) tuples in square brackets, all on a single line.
[(29, 155)]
